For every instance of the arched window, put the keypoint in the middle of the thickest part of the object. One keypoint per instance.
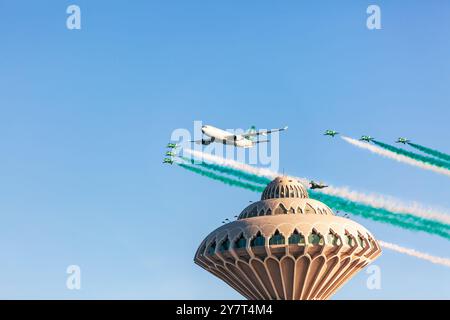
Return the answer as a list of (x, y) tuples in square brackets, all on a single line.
[(309, 209), (361, 241), (241, 242), (299, 210), (315, 238), (349, 239), (261, 213), (296, 238), (225, 245), (253, 212), (258, 240), (280, 209), (277, 192), (333, 239), (292, 193), (212, 248), (277, 238), (292, 210), (272, 193)]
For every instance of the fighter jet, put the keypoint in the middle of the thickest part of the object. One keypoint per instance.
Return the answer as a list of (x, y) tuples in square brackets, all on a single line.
[(168, 161), (402, 140), (246, 140), (172, 145), (366, 138), (171, 154), (314, 185), (331, 133)]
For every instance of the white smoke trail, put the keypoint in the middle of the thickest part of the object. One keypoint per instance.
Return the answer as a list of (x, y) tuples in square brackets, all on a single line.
[(374, 200), (395, 156), (388, 203), (232, 164), (414, 253)]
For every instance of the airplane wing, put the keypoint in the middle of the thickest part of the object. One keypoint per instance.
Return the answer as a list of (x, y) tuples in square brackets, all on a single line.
[(203, 141), (262, 132), (260, 141)]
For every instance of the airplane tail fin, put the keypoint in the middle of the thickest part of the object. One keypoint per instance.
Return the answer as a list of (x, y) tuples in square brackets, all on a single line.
[(251, 130)]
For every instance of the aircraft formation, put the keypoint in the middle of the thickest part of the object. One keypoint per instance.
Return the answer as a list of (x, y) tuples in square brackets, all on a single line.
[(170, 154), (365, 138), (247, 140)]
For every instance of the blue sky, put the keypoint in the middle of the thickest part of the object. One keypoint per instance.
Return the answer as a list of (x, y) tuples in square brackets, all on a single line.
[(85, 116)]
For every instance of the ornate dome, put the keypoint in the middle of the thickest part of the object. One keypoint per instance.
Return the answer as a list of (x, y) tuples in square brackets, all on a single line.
[(287, 246), (284, 187), (285, 195)]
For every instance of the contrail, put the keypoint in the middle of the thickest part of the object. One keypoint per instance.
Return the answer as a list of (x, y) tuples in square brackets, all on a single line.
[(430, 151), (374, 200), (337, 203), (430, 160), (394, 247), (396, 156), (416, 254)]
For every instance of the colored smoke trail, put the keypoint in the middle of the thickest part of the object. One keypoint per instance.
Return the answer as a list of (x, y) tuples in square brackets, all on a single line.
[(414, 253), (415, 156), (231, 171), (413, 210), (217, 177), (232, 164), (390, 246), (382, 215), (374, 200), (396, 156), (376, 214), (430, 151)]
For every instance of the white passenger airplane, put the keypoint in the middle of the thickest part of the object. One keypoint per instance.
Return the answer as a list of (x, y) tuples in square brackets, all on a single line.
[(245, 140)]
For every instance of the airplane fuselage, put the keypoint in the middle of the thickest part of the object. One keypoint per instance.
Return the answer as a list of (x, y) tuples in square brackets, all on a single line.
[(225, 137)]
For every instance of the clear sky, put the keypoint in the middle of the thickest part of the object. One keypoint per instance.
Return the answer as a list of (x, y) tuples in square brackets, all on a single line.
[(85, 116)]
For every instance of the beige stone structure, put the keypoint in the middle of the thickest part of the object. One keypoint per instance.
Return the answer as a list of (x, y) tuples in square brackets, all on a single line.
[(287, 246)]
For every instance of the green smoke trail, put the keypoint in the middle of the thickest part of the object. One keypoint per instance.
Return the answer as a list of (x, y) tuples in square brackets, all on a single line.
[(237, 173), (431, 152), (415, 156), (230, 171), (382, 215), (228, 181), (405, 221), (338, 201)]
